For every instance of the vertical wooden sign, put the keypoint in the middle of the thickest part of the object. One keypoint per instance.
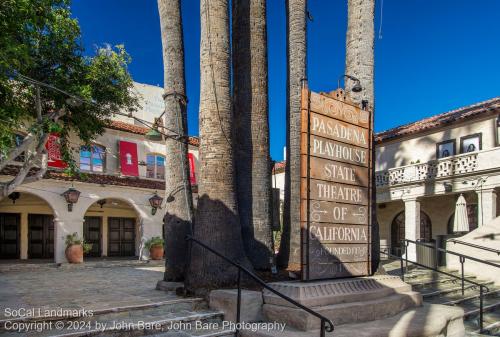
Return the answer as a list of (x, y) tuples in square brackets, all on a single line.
[(336, 187)]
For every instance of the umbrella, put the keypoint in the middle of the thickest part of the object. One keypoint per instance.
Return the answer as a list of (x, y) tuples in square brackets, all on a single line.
[(461, 221)]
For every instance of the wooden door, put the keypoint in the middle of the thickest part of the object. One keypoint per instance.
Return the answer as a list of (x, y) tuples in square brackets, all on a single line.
[(92, 234), (9, 235), (121, 237), (40, 236)]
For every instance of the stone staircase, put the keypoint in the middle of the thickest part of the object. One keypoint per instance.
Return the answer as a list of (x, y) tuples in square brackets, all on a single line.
[(438, 288), (191, 316)]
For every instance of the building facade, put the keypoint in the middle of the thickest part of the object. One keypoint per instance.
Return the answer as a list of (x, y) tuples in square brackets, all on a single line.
[(120, 171), (423, 167)]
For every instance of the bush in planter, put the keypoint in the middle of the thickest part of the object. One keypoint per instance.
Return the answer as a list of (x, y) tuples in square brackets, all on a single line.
[(75, 248), (155, 247)]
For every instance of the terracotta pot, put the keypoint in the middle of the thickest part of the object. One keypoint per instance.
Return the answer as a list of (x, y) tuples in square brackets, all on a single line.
[(156, 252), (74, 253)]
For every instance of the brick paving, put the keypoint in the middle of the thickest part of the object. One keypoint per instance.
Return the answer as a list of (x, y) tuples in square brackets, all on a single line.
[(94, 287)]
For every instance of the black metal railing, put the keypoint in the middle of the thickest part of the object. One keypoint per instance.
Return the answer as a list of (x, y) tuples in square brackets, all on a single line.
[(497, 251), (326, 324), (482, 287), (462, 258)]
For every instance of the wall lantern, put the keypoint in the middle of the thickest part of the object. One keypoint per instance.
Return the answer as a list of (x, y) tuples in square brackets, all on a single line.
[(14, 196), (448, 187), (155, 201), (71, 196)]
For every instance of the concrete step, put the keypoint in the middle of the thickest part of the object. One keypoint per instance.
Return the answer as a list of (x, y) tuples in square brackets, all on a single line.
[(491, 325), (451, 289), (471, 308), (194, 302), (469, 295), (344, 313), (180, 314), (427, 320)]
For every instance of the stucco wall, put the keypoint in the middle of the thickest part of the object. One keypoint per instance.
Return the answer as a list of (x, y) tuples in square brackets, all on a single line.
[(405, 150), (110, 140), (48, 200), (439, 209)]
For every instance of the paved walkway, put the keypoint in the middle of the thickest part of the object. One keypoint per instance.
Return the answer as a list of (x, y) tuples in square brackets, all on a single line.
[(90, 287)]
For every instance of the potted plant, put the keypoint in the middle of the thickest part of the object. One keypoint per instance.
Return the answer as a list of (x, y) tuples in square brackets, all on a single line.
[(75, 248), (155, 246)]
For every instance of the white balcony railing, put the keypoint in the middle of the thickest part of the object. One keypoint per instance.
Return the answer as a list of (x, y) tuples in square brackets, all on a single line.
[(440, 168)]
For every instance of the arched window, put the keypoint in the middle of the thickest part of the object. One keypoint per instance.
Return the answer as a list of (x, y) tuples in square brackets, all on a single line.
[(92, 158), (155, 166), (398, 230)]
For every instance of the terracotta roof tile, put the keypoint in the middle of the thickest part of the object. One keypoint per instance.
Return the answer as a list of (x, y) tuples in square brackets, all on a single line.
[(142, 130), (279, 167), (474, 110)]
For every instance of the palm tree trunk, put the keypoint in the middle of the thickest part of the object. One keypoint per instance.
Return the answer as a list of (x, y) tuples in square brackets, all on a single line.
[(179, 203), (359, 49), (217, 222), (250, 105), (360, 64), (296, 63)]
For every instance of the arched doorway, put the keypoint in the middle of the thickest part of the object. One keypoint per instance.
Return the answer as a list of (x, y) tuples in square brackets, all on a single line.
[(111, 226), (26, 227), (398, 230)]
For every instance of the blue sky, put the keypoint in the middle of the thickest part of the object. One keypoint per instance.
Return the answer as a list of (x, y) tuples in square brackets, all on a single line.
[(434, 55)]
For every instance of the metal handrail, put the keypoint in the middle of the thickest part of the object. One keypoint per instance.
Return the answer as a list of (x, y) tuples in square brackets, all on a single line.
[(475, 246), (453, 253), (326, 324), (462, 258)]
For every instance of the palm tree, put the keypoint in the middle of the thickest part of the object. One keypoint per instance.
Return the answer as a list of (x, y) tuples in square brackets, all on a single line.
[(217, 222), (359, 48), (296, 11), (360, 63), (250, 105), (178, 217)]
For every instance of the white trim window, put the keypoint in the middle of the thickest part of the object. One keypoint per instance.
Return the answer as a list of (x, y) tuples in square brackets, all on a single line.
[(92, 158), (155, 166)]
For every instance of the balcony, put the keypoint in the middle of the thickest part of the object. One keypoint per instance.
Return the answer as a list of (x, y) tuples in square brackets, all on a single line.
[(463, 164)]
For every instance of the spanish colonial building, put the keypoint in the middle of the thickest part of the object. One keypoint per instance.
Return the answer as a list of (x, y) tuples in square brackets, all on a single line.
[(423, 167), (120, 171)]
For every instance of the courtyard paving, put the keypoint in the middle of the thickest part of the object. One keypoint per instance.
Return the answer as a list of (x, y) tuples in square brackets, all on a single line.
[(97, 286)]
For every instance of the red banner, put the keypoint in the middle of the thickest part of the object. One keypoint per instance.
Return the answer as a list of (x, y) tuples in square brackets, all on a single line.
[(128, 159), (53, 147), (192, 174)]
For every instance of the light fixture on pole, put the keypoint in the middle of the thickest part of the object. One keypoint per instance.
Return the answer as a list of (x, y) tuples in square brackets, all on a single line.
[(154, 133), (71, 196), (155, 201), (357, 84)]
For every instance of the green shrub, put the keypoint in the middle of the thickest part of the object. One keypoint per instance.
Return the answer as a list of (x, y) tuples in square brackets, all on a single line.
[(154, 242), (74, 239)]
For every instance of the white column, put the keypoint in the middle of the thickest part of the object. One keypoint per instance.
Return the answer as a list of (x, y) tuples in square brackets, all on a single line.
[(104, 230), (487, 206), (412, 225), (24, 236), (63, 227)]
